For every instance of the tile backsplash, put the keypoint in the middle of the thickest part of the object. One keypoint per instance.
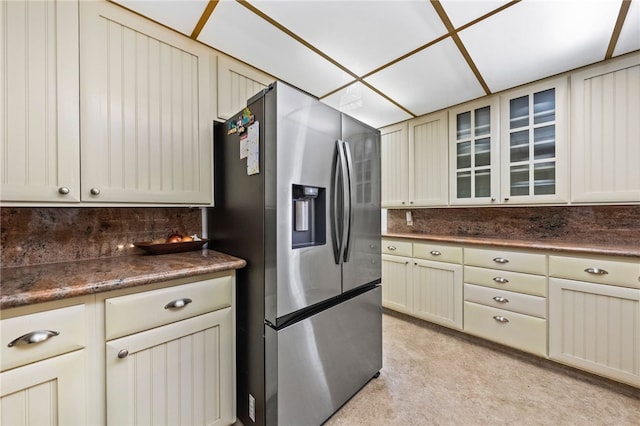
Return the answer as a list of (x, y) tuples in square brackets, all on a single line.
[(33, 236), (618, 225)]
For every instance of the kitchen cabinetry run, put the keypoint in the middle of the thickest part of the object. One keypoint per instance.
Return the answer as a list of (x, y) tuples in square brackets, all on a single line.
[(505, 298), (39, 101), (534, 141), (146, 129), (237, 83), (414, 162), (423, 280), (170, 356), (605, 130), (594, 315), (43, 375)]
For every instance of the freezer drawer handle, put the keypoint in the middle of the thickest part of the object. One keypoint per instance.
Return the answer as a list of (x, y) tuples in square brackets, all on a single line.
[(500, 299), (500, 318), (596, 271), (500, 280), (178, 303), (500, 260), (33, 337), (435, 253)]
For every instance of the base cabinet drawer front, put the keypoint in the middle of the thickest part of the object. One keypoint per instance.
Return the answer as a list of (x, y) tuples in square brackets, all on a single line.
[(437, 292), (437, 252), (42, 335), (48, 392), (535, 285), (142, 311), (618, 272), (515, 302), (519, 331), (596, 328), (506, 260), (181, 373), (397, 287), (397, 247)]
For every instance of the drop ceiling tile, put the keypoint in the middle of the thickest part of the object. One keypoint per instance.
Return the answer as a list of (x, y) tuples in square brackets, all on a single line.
[(238, 32), (536, 39), (364, 104), (181, 15), (434, 78), (360, 35), (630, 35), (462, 12)]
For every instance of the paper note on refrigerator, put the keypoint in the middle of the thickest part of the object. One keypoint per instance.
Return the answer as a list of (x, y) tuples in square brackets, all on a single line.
[(253, 149)]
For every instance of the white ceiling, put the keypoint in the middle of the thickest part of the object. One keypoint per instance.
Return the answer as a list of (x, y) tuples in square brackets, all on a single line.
[(385, 61)]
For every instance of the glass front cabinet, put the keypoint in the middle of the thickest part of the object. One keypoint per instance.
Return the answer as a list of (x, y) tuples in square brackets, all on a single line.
[(474, 152), (534, 143)]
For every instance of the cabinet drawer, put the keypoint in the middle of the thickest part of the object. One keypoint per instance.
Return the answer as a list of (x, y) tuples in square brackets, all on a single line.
[(69, 322), (508, 300), (603, 271), (397, 247), (437, 252), (506, 260), (505, 280), (141, 311), (519, 331)]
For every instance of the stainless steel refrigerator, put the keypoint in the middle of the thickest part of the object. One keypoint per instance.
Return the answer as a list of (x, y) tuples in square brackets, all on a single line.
[(297, 194)]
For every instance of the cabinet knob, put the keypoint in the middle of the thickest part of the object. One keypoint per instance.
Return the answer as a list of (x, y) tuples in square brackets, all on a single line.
[(178, 303), (392, 248), (95, 191), (596, 271), (435, 253), (410, 202), (500, 260), (493, 200), (500, 299), (506, 198), (33, 337), (63, 190), (500, 280), (500, 318), (403, 202), (123, 353)]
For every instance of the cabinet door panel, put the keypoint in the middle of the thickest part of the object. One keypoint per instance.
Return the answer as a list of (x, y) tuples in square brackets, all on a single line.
[(437, 292), (396, 283), (395, 159), (428, 180), (39, 101), (186, 368), (236, 84), (146, 124), (605, 130)]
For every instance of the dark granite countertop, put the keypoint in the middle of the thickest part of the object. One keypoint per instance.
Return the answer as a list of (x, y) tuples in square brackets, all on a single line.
[(27, 285), (561, 247)]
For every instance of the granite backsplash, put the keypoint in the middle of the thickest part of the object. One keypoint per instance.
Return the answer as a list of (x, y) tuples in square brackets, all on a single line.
[(619, 225), (32, 236)]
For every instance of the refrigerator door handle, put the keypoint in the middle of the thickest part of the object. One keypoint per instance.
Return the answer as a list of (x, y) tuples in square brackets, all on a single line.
[(339, 215), (349, 200)]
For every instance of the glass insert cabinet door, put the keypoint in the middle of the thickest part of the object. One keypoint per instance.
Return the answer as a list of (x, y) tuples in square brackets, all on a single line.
[(474, 138)]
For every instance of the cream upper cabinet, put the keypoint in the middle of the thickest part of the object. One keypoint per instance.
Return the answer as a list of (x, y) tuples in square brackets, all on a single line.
[(474, 152), (534, 141), (414, 162), (237, 82), (146, 128), (39, 111), (605, 132)]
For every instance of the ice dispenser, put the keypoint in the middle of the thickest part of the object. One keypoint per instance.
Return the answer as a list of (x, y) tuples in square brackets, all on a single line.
[(309, 216)]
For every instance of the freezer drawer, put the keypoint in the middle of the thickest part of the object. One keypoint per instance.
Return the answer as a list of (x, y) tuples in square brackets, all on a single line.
[(323, 360)]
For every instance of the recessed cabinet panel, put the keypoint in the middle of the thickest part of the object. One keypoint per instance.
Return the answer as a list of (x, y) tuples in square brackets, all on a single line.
[(394, 146)]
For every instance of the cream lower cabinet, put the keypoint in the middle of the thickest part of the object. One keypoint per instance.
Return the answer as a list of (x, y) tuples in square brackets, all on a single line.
[(397, 286), (44, 379), (594, 315), (170, 355), (505, 298)]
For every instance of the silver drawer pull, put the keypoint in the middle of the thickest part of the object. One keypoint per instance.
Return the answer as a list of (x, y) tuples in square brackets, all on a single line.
[(500, 318), (123, 353), (596, 271), (500, 260), (500, 299), (33, 337), (500, 280), (435, 253), (392, 248), (178, 303)]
